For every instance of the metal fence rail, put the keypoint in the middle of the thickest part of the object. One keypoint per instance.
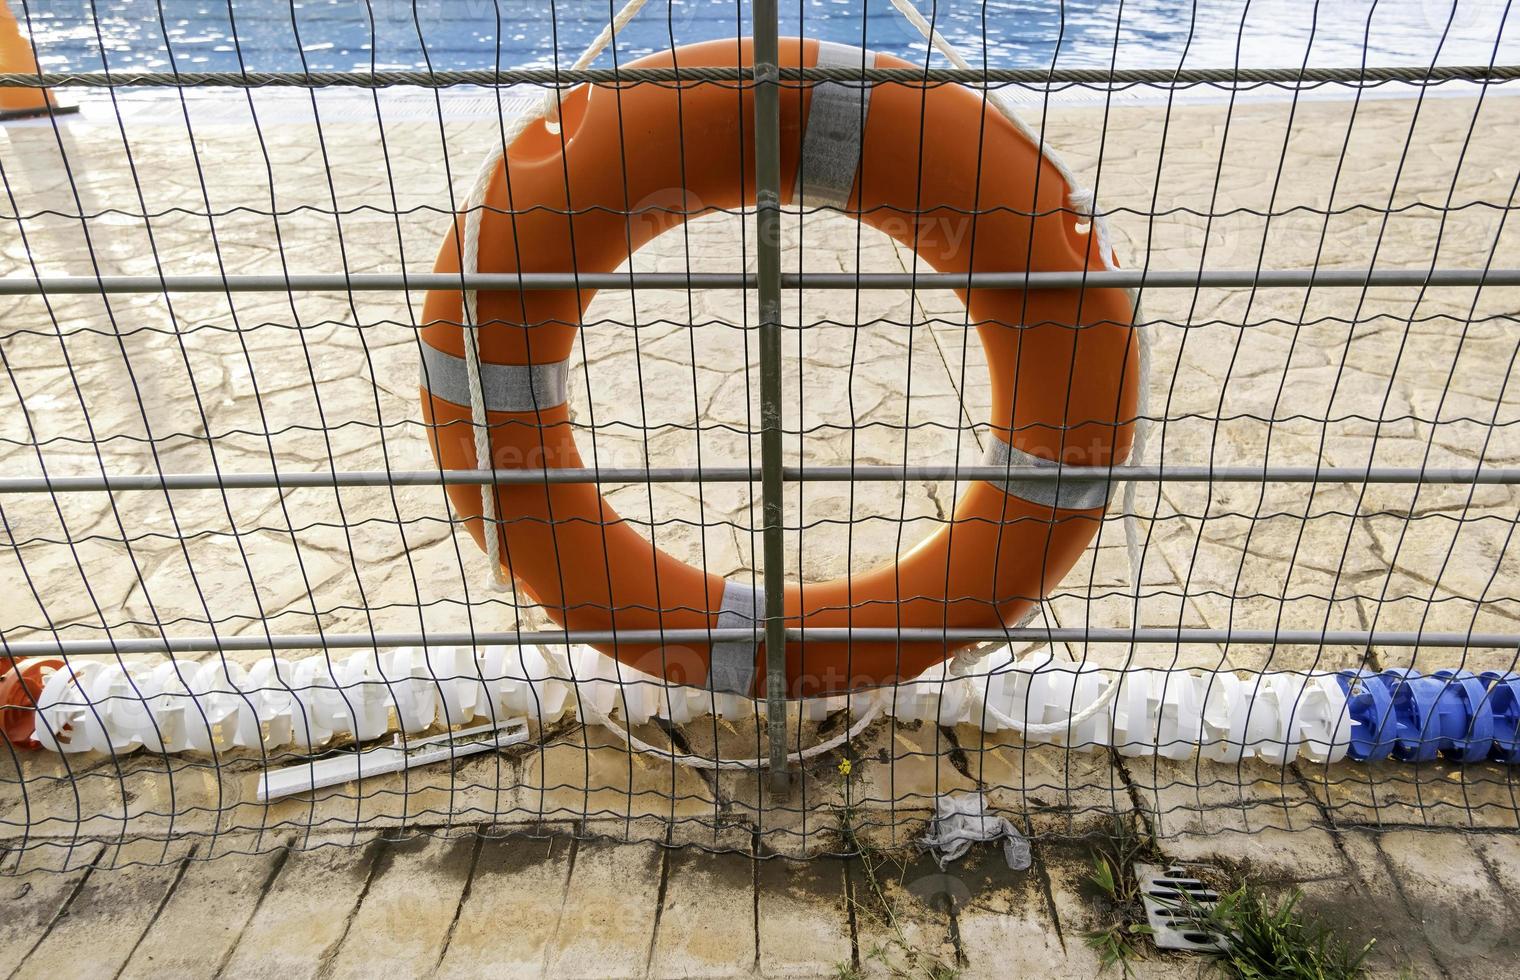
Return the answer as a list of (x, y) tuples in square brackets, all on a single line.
[(817, 634), (1097, 278), (215, 295)]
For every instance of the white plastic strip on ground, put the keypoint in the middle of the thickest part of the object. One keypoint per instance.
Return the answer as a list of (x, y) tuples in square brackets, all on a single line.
[(303, 705)]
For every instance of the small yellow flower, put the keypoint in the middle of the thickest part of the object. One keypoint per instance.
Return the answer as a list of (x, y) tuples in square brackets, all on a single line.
[(844, 767)]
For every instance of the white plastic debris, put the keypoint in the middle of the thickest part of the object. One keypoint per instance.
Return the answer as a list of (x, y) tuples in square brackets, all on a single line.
[(274, 703), (67, 720), (1179, 727), (597, 687), (817, 709), (172, 703), (1324, 720), (219, 715), (120, 696), (934, 696), (1277, 698), (359, 699), (1135, 712), (1236, 722), (457, 685), (411, 686), (535, 684), (334, 770), (960, 820), (311, 725)]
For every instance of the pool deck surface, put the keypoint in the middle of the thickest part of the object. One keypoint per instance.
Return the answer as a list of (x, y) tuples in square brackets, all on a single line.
[(1440, 905)]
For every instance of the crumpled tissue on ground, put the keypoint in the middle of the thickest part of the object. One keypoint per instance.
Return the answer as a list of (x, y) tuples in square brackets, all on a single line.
[(961, 819)]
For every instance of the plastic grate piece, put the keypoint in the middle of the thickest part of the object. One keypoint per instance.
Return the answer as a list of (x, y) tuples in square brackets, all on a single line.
[(1172, 899)]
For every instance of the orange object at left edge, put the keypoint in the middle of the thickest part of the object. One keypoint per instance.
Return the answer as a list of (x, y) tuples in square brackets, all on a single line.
[(18, 58)]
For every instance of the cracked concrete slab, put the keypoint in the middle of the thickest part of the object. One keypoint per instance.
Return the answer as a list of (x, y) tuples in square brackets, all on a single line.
[(106, 916), (302, 919), (508, 915), (212, 902), (607, 912), (1436, 901), (407, 911)]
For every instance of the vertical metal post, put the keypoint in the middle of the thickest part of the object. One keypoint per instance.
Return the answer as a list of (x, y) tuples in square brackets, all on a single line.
[(768, 260)]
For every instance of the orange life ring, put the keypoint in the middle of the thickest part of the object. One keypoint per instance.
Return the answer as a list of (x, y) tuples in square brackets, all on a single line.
[(1063, 363)]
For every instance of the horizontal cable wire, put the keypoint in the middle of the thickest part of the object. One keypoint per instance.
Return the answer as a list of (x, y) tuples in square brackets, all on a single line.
[(652, 323), (705, 75), (1096, 279), (324, 613), (266, 530), (928, 425), (1463, 476), (1409, 207)]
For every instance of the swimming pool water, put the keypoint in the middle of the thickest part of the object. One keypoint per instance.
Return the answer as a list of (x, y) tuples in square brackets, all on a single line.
[(274, 35)]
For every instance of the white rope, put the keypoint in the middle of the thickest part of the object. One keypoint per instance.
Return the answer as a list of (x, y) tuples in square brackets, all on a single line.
[(967, 660), (474, 206), (1078, 197), (1083, 201), (703, 762), (1062, 727), (479, 425), (1132, 546)]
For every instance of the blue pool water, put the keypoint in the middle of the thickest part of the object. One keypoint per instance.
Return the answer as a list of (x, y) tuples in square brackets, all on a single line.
[(271, 35)]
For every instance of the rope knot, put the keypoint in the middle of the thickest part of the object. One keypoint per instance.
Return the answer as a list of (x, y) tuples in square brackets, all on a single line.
[(550, 111), (1082, 200)]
